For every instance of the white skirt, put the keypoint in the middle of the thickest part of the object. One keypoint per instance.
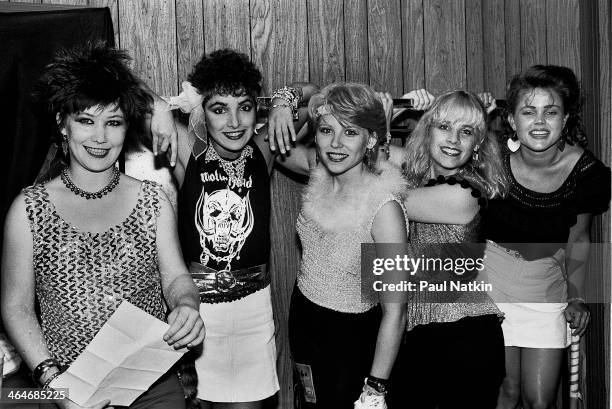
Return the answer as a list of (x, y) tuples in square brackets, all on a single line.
[(532, 296), (238, 362)]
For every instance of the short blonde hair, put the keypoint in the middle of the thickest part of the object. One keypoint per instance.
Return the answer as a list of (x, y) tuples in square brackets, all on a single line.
[(351, 103)]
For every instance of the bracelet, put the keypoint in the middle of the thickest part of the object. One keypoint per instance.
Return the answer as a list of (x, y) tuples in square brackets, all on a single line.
[(51, 378), (283, 106), (581, 300), (289, 94), (378, 384), (43, 367), (294, 112)]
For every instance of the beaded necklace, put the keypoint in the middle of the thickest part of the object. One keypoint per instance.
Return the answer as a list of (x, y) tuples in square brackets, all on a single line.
[(91, 195)]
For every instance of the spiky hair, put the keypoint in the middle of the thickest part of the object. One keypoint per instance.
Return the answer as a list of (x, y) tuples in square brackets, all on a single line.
[(89, 76)]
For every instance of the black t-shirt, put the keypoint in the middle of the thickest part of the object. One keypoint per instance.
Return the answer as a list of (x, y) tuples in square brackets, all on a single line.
[(224, 221), (526, 216)]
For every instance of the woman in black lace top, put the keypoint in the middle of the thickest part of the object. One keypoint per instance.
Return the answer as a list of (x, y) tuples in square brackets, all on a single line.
[(539, 234)]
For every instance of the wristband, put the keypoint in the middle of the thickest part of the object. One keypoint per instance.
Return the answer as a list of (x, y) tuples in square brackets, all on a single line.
[(378, 384), (580, 300), (45, 386), (43, 367)]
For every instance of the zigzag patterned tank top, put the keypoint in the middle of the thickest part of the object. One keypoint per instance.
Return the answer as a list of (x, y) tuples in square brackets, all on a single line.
[(82, 277)]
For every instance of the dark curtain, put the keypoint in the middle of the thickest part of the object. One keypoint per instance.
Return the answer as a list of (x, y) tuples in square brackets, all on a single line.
[(29, 35)]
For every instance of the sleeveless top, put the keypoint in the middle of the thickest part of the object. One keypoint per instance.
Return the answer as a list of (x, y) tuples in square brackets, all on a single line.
[(331, 231), (82, 277), (426, 307), (526, 216), (224, 217)]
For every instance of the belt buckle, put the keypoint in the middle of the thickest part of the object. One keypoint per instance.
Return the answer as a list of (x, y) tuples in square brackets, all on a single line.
[(224, 281)]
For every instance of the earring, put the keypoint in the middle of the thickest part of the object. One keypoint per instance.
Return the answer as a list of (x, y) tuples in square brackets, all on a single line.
[(65, 145), (513, 143), (561, 142), (387, 143), (475, 155), (368, 156)]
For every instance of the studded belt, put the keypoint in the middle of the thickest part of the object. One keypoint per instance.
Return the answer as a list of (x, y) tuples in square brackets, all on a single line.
[(224, 286)]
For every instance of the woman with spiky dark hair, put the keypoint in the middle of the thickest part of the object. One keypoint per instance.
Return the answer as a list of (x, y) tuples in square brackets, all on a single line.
[(77, 80), (83, 242)]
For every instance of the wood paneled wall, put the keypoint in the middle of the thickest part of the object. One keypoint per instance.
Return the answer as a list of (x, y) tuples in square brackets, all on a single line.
[(395, 45)]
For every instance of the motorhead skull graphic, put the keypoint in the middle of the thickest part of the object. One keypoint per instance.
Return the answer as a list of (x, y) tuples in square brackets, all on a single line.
[(224, 221)]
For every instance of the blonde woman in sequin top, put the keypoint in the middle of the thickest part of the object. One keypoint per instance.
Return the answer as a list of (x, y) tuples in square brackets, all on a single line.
[(454, 338), (339, 335), (83, 242)]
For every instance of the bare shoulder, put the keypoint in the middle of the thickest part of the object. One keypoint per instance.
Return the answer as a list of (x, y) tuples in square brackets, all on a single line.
[(54, 185), (389, 223), (130, 182), (17, 217)]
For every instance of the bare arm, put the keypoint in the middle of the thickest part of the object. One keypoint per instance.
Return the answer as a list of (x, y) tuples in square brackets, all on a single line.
[(300, 160), (447, 204), (183, 148), (186, 326), (18, 294), (18, 286), (389, 227), (576, 258), (162, 125), (275, 137)]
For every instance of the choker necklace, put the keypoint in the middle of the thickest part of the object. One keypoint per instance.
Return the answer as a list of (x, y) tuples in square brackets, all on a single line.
[(233, 169), (89, 195)]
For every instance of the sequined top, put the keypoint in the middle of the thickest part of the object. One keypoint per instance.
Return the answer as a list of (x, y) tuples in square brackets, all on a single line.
[(331, 231), (82, 277), (425, 307), (530, 217)]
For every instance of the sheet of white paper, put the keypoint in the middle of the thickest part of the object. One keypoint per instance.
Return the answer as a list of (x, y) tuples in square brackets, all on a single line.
[(126, 356)]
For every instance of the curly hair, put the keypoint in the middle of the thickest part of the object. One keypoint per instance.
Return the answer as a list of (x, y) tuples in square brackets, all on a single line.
[(352, 103), (561, 80), (226, 72), (93, 75), (459, 108)]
